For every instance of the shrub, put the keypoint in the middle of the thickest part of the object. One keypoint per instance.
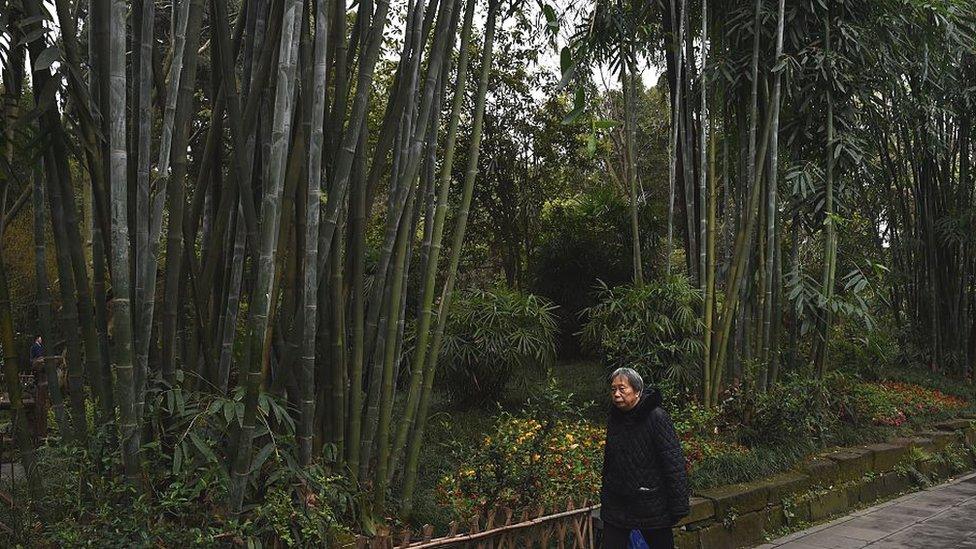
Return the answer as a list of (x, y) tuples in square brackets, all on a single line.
[(547, 456), (801, 409), (523, 463), (85, 502), (695, 420), (920, 400), (698, 429), (655, 328), (698, 449), (491, 337), (867, 354), (870, 403)]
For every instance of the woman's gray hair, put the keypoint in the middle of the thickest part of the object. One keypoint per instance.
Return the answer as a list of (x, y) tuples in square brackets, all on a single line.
[(633, 378)]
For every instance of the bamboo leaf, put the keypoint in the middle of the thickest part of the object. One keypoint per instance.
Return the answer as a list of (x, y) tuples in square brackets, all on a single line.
[(47, 58), (177, 458), (552, 22), (203, 448), (229, 407), (28, 21)]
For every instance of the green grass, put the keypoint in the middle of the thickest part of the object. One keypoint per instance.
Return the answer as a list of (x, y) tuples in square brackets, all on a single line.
[(757, 463)]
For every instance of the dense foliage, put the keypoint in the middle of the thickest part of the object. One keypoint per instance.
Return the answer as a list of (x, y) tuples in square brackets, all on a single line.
[(266, 242), (81, 502), (527, 459), (584, 242), (523, 463), (655, 327), (493, 336)]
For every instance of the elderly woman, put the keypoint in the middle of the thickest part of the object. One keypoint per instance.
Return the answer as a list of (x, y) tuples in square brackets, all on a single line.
[(644, 482)]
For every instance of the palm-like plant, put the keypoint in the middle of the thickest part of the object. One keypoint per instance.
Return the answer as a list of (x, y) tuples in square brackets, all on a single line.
[(655, 328), (492, 336)]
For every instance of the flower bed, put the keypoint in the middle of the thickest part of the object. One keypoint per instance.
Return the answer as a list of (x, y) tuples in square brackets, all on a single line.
[(525, 463), (892, 403)]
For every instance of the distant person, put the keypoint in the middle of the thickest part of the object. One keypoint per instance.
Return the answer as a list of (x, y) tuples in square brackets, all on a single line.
[(645, 485), (36, 350)]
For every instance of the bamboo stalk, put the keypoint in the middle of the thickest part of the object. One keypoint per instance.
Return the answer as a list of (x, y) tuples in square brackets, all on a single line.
[(771, 207), (43, 301), (121, 302), (346, 152), (363, 430), (56, 168), (99, 169), (627, 86), (260, 307), (687, 150), (443, 42), (386, 407), (417, 436), (702, 199), (440, 214), (743, 243), (339, 380), (175, 194), (144, 163), (675, 122), (309, 298), (830, 242), (712, 202), (162, 173)]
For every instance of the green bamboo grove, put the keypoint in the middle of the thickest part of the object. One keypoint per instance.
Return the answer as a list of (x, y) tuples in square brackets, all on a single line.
[(253, 215), (789, 122), (273, 201)]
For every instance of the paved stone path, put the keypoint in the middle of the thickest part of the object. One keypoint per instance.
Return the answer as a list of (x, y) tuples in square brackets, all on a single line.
[(939, 517)]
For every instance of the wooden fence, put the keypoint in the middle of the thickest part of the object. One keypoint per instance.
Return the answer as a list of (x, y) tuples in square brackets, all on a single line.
[(501, 529)]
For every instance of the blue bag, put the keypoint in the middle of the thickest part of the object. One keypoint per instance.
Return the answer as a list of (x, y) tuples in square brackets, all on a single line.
[(637, 541)]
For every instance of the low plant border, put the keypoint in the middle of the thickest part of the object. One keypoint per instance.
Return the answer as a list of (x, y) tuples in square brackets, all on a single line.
[(827, 485)]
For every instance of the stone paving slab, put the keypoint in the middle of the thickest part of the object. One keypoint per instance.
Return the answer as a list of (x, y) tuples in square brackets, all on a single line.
[(938, 517)]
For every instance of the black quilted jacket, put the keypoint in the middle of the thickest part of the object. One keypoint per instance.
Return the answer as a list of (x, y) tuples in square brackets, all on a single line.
[(644, 479)]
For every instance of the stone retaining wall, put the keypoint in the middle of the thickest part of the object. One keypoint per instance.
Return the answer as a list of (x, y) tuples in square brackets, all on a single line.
[(742, 515)]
